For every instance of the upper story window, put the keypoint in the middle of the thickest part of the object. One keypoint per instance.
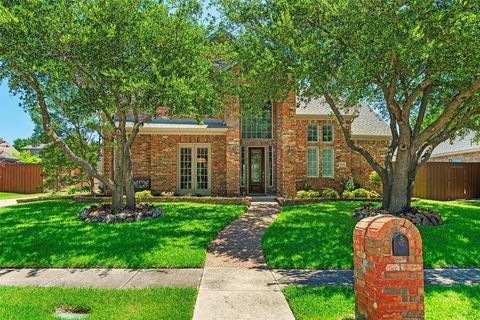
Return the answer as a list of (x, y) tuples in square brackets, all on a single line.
[(327, 133), (257, 125), (312, 133)]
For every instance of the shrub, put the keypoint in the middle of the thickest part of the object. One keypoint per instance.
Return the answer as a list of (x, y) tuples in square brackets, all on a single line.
[(307, 194), (167, 194), (373, 194), (144, 194), (348, 194), (330, 193), (374, 179), (361, 193), (349, 184), (307, 185), (71, 190)]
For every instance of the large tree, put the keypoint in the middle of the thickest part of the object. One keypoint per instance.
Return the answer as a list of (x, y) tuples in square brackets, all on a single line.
[(417, 62), (111, 62)]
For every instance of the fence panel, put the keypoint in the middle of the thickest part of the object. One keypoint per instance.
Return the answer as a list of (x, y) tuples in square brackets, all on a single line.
[(448, 181), (20, 178)]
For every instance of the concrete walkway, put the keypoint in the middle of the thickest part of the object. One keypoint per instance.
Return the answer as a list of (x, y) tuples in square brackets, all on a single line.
[(7, 202), (236, 283)]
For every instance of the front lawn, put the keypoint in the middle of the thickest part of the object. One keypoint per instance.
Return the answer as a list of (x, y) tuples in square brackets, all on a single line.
[(12, 195), (40, 303), (319, 236), (48, 234), (309, 303)]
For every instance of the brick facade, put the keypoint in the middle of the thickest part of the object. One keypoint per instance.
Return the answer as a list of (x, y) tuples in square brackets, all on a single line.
[(155, 155)]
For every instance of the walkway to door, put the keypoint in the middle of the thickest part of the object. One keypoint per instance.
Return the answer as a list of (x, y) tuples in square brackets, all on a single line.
[(236, 283)]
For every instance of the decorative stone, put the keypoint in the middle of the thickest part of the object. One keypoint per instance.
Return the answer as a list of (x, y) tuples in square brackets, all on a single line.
[(104, 214)]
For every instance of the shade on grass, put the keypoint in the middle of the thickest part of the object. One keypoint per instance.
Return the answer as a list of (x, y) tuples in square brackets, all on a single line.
[(40, 303), (11, 195), (319, 236), (309, 303), (48, 234)]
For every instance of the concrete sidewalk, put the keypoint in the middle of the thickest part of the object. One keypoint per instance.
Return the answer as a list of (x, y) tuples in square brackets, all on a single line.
[(7, 202)]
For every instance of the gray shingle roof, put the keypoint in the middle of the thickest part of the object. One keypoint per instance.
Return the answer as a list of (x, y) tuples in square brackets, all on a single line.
[(168, 123), (458, 146), (366, 123)]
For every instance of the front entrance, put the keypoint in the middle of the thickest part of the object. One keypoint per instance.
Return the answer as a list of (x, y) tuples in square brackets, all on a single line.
[(193, 176), (256, 170)]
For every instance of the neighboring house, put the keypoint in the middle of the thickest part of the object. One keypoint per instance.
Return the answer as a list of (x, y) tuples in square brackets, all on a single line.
[(35, 150), (460, 150), (288, 146), (8, 153)]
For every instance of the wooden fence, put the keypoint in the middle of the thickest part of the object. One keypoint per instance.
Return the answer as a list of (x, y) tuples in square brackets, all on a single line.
[(448, 181), (20, 178)]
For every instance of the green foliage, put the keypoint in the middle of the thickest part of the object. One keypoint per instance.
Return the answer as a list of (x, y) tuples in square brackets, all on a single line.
[(177, 240), (307, 194), (71, 190), (349, 184), (154, 303), (26, 157), (167, 194), (373, 194), (348, 194), (374, 179), (144, 194), (330, 193), (361, 193)]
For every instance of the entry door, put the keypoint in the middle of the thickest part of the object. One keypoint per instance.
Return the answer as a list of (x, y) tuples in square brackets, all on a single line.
[(256, 170), (194, 169)]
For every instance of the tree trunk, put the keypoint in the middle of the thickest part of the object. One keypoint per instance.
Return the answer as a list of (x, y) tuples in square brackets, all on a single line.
[(398, 196), (117, 199), (129, 183)]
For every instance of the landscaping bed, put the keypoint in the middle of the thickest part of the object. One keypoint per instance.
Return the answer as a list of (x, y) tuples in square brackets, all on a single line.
[(334, 303), (294, 201), (49, 234), (41, 303), (319, 236), (416, 215), (103, 213)]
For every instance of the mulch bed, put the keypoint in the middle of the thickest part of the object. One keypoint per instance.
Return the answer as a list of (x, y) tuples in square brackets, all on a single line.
[(103, 213), (418, 216)]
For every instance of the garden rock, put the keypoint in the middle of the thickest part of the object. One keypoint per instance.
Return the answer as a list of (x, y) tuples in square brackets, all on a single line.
[(418, 216), (103, 214)]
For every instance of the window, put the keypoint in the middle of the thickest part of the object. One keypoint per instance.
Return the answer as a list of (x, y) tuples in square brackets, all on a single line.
[(257, 126), (242, 166), (327, 162), (270, 166), (327, 133), (312, 162), (194, 169), (312, 133)]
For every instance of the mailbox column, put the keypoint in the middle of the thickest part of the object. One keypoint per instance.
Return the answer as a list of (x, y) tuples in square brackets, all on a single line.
[(388, 269)]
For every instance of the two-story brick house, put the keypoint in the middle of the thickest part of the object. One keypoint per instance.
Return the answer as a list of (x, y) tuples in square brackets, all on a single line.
[(289, 144)]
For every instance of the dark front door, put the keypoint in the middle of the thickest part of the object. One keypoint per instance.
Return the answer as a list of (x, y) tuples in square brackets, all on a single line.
[(256, 170)]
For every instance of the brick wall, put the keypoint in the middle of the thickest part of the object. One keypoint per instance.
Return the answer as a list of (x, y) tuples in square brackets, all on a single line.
[(360, 167)]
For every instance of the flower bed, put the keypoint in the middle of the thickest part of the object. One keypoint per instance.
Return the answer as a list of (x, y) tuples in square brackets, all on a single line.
[(418, 216), (293, 201), (211, 200), (103, 213)]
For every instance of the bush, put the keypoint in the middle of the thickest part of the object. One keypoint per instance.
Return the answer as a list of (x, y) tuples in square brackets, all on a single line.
[(330, 193), (374, 179), (167, 194), (307, 194), (349, 184), (348, 194), (143, 194), (361, 193), (373, 194), (71, 190)]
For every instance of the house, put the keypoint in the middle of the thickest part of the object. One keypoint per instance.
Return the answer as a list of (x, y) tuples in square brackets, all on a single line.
[(35, 150), (288, 146), (8, 153), (463, 149)]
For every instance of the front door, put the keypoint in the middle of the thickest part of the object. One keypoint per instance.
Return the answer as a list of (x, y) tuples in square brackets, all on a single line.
[(194, 169), (256, 171)]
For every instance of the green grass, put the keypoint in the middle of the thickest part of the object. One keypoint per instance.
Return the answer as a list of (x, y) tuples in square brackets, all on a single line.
[(319, 236), (309, 303), (48, 234), (11, 195), (40, 303)]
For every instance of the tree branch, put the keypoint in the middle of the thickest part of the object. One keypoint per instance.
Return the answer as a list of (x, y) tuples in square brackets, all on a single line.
[(421, 112)]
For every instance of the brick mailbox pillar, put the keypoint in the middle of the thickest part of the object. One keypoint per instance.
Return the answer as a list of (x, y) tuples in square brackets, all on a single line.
[(388, 269)]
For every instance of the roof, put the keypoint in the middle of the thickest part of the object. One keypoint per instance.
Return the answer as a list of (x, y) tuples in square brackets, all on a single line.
[(7, 152), (182, 126), (31, 147), (458, 146), (367, 123)]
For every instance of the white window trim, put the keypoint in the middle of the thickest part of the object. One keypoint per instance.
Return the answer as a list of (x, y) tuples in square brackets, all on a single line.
[(318, 136), (333, 133), (318, 162), (333, 162)]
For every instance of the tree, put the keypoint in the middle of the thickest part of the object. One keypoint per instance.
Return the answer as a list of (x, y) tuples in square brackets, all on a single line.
[(106, 67), (416, 62)]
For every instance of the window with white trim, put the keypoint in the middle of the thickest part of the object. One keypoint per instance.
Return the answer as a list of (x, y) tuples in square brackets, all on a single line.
[(312, 133), (257, 125), (327, 133), (312, 162), (327, 162)]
